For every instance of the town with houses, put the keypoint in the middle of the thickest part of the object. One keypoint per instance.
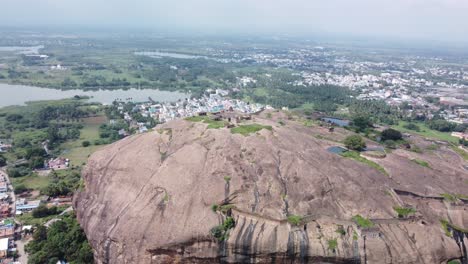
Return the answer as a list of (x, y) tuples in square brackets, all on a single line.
[(212, 102), (13, 234)]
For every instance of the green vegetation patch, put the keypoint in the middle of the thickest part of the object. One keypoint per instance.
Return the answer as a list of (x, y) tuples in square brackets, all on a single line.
[(212, 124), (295, 220), (404, 211), (31, 182), (355, 142), (340, 230), (461, 152), (62, 182), (40, 215), (425, 131), (67, 240), (225, 208), (453, 197), (447, 226), (449, 197), (246, 130), (421, 163), (221, 232), (332, 244), (308, 123), (356, 156), (362, 222)]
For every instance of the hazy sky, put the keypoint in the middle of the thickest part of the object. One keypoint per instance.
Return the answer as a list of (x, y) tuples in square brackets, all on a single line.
[(411, 19)]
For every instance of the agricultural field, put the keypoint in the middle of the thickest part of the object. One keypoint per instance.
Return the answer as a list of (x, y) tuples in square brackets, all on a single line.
[(74, 150), (425, 131)]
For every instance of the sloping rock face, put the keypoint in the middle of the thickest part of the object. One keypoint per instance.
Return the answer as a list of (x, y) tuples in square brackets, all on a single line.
[(149, 198)]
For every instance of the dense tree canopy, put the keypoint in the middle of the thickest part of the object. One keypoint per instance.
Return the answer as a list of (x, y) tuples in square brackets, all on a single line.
[(63, 240), (355, 142), (391, 134)]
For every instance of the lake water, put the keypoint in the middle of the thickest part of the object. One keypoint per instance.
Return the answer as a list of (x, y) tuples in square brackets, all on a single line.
[(21, 50), (157, 54), (20, 94), (336, 149), (336, 121)]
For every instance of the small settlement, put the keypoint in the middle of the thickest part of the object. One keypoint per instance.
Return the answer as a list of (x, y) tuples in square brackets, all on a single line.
[(7, 224), (213, 102)]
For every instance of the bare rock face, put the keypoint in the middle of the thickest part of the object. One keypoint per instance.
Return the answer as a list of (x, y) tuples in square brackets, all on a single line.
[(170, 195)]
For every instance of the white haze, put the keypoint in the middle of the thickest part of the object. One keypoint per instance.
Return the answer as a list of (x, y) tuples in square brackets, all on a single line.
[(441, 20)]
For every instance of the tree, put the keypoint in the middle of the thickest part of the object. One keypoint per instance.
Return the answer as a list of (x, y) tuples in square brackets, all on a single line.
[(36, 162), (361, 123), (21, 188), (43, 211), (412, 126), (53, 134), (391, 134), (355, 142), (35, 151), (18, 172), (63, 240), (85, 144), (442, 125)]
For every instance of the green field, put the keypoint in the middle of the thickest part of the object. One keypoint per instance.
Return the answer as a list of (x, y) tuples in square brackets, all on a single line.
[(246, 130), (357, 157), (32, 181), (74, 150), (425, 131)]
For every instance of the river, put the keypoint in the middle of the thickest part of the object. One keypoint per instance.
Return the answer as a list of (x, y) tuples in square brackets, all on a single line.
[(20, 94)]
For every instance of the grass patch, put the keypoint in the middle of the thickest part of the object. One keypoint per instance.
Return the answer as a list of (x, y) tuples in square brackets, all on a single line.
[(79, 155), (295, 220), (212, 124), (421, 163), (447, 227), (332, 244), (308, 123), (453, 197), (246, 130), (356, 156), (362, 222), (425, 131), (433, 147), (75, 151), (449, 197), (28, 219), (32, 181), (461, 152), (404, 211)]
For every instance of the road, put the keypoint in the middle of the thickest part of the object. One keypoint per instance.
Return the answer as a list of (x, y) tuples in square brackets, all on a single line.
[(19, 243), (23, 257), (10, 190)]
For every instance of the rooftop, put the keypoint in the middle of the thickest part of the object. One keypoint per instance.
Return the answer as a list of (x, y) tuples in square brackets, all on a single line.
[(4, 244)]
